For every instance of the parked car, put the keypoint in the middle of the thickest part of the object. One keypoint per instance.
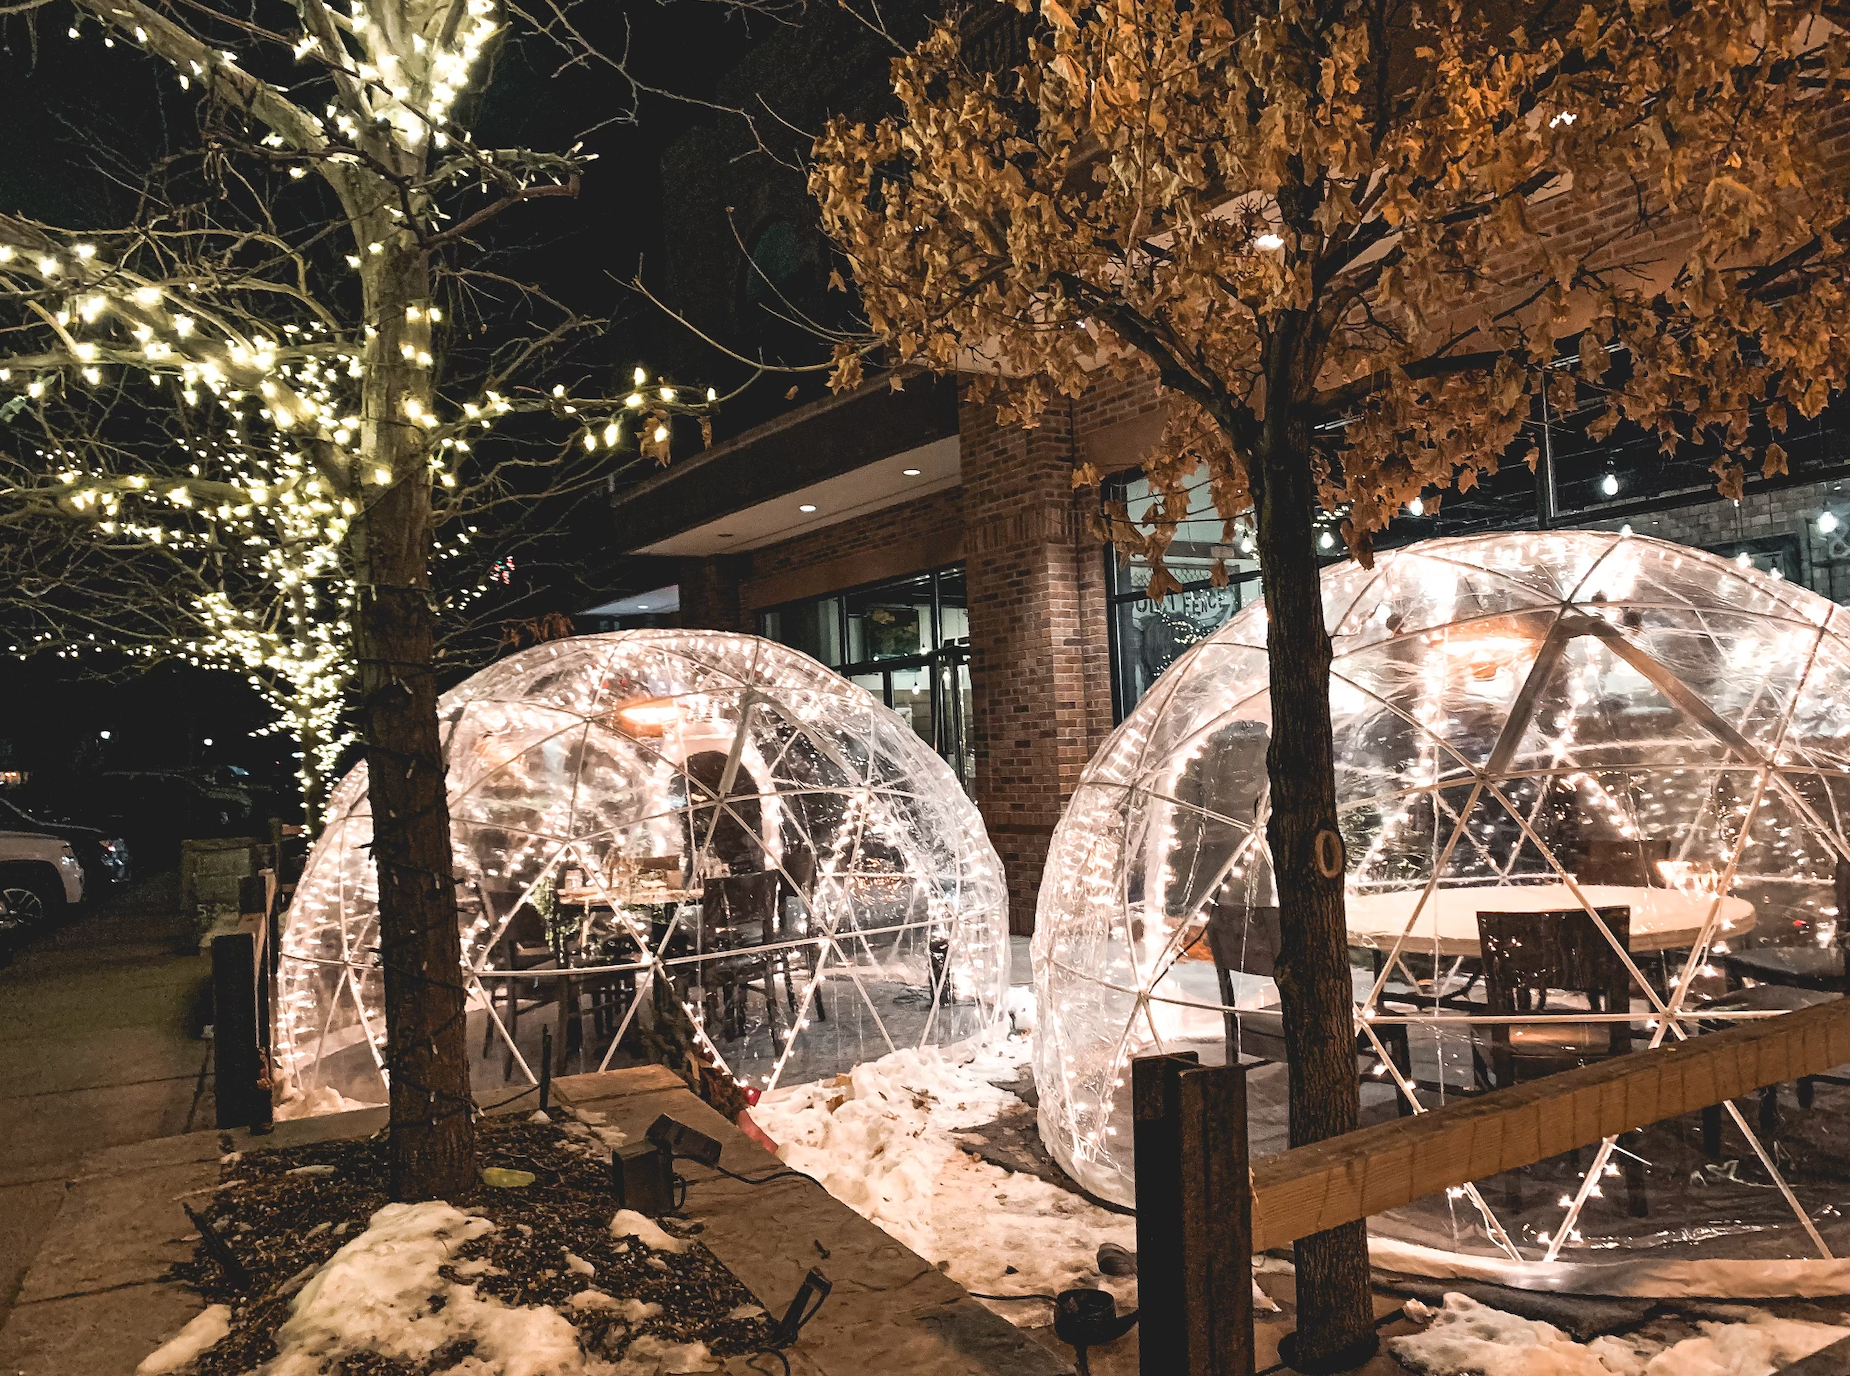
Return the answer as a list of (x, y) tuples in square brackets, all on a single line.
[(105, 857), (9, 934), (40, 876)]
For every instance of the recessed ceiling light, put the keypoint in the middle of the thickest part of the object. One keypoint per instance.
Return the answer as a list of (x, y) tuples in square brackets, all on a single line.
[(910, 472), (806, 508)]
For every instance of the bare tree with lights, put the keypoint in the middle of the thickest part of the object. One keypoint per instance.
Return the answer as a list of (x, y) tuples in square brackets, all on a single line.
[(371, 375), (192, 530), (1355, 244)]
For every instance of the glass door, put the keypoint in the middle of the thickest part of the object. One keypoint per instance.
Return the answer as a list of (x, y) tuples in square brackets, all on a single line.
[(907, 642)]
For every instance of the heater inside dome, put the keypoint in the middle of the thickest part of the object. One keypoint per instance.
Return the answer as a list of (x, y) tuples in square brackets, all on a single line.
[(1592, 791), (661, 834)]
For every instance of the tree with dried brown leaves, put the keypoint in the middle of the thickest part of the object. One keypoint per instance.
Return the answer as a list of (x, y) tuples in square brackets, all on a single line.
[(1351, 240)]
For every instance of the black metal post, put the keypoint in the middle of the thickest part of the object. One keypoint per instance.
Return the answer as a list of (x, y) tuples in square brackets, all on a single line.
[(239, 1083)]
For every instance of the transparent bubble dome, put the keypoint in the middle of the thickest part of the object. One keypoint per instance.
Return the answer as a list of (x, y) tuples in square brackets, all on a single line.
[(664, 814), (1587, 775)]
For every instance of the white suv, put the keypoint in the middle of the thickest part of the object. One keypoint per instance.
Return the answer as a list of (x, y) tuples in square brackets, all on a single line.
[(39, 875)]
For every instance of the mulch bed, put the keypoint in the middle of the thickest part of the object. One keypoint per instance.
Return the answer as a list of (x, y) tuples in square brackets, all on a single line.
[(282, 1226)]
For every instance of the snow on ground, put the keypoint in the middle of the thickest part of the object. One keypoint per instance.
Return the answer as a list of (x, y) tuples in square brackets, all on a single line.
[(203, 1332), (880, 1139), (382, 1294), (1468, 1337)]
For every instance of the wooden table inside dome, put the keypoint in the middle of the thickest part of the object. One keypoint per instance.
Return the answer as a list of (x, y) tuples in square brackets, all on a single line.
[(1661, 919), (590, 897)]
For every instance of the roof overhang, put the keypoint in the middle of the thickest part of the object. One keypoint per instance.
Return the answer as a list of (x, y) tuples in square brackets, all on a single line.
[(842, 455), (655, 602)]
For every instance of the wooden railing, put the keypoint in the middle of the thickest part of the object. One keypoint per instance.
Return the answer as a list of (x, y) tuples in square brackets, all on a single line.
[(1201, 1213)]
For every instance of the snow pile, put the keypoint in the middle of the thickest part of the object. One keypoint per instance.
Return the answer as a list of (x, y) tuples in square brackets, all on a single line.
[(629, 1223), (1468, 1337), (880, 1140), (382, 1294), (203, 1332), (296, 1103)]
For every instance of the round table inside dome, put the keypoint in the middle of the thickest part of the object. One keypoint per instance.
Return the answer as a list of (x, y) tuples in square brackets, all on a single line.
[(1661, 919)]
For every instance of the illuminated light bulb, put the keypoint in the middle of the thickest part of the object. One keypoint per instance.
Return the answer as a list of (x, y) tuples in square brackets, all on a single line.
[(633, 400), (1326, 540), (712, 394), (1827, 522), (1416, 507), (667, 394), (48, 266), (382, 475), (610, 434), (88, 251), (1268, 241), (147, 296), (661, 433), (641, 376), (591, 442), (1610, 484)]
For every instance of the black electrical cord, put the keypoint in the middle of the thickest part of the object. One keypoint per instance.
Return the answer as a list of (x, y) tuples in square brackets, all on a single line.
[(777, 1353), (979, 1295), (762, 1179), (747, 1179)]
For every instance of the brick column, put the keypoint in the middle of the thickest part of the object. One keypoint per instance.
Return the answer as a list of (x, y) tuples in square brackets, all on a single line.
[(1036, 669), (710, 593)]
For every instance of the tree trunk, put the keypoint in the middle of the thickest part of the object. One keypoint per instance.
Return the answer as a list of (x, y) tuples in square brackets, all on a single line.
[(1335, 1315), (432, 1127)]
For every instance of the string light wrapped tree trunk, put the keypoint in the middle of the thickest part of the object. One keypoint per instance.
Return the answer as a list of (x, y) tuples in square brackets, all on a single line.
[(1323, 229), (326, 345)]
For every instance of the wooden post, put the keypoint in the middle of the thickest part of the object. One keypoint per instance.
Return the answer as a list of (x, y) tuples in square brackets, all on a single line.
[(1217, 1221), (1156, 1113), (1194, 1218), (239, 1083)]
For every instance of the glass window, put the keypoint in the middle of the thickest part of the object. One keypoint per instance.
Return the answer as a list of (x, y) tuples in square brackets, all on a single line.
[(892, 621), (909, 694), (1150, 636), (1147, 637), (812, 627), (1199, 536), (953, 608), (906, 642)]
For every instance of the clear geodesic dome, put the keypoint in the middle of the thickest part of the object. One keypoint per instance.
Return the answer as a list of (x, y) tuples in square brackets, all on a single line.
[(1590, 779), (666, 826)]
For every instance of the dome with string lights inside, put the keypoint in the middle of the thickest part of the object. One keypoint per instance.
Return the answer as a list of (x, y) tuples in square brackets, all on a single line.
[(1592, 791), (666, 841)]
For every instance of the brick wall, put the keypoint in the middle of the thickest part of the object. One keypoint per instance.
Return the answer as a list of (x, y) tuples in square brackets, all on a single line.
[(1038, 633), (939, 513), (710, 593)]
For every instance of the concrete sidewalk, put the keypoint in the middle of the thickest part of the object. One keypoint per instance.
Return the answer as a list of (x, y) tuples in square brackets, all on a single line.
[(98, 1299), (99, 1020)]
